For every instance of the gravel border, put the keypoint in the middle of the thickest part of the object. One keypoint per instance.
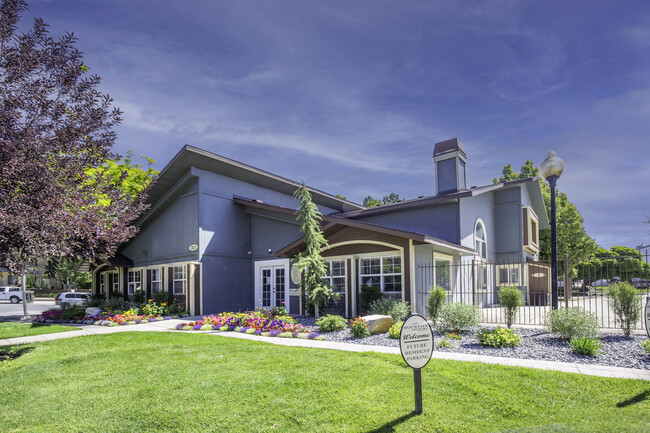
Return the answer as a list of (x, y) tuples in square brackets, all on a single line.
[(535, 344)]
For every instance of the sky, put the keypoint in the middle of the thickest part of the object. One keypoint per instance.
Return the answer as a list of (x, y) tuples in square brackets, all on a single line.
[(351, 97)]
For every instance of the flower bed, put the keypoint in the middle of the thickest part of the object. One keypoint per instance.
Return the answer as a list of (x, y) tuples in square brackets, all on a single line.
[(254, 323), (107, 318)]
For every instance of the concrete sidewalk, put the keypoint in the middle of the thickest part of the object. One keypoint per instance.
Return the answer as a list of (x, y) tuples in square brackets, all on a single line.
[(170, 325)]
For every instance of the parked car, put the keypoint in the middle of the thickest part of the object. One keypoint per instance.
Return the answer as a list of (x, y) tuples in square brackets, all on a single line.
[(640, 283), (604, 282), (71, 298), (14, 294)]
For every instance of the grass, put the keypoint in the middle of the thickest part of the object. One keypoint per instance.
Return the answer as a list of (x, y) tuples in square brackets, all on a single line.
[(13, 330), (163, 382)]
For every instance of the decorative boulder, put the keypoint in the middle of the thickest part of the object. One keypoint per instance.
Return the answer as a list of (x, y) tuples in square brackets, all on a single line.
[(93, 311), (378, 323)]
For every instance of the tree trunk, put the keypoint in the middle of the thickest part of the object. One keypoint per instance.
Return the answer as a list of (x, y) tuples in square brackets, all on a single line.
[(316, 309), (23, 289)]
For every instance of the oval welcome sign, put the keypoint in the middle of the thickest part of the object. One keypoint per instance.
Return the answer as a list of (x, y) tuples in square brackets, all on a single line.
[(416, 341)]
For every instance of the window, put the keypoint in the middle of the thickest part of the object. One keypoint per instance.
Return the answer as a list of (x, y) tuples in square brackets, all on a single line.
[(101, 283), (336, 275), (509, 276), (156, 283), (443, 273), (385, 272), (134, 282), (531, 230), (480, 239), (179, 280)]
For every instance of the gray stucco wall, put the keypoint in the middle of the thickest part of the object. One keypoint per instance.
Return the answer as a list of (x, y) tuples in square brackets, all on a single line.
[(168, 236), (509, 227), (440, 221)]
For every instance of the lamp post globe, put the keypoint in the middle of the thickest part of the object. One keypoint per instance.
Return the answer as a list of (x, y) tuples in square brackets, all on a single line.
[(551, 169)]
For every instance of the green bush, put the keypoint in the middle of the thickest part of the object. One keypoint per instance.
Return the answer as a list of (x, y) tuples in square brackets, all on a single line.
[(395, 329), (458, 317), (571, 322), (646, 345), (586, 346), (445, 343), (500, 337), (331, 322), (437, 297), (626, 303), (359, 328), (389, 306), (72, 311), (510, 299), (453, 336), (370, 294)]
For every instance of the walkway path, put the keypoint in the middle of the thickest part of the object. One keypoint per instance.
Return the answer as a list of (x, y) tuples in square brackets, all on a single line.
[(170, 325)]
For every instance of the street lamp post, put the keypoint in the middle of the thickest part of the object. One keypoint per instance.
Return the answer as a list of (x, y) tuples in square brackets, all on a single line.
[(551, 169)]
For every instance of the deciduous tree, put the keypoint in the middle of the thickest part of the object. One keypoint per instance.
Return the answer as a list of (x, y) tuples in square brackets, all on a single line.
[(55, 126)]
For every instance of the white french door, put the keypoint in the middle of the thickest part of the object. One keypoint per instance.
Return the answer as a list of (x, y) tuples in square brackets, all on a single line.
[(272, 284)]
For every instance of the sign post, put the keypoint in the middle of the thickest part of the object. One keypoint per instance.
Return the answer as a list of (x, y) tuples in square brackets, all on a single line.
[(647, 316), (416, 347)]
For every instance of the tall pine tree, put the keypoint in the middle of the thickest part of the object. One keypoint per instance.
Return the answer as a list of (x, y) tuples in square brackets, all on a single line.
[(310, 261)]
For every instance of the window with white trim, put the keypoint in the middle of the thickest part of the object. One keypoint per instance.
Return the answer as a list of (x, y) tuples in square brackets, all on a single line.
[(480, 239), (531, 229), (180, 274), (509, 275), (156, 282), (443, 273), (385, 272), (134, 281), (101, 283), (336, 273), (116, 281)]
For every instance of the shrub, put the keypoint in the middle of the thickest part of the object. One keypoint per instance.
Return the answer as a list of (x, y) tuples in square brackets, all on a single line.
[(437, 297), (500, 337), (646, 345), (510, 298), (395, 329), (71, 312), (389, 306), (445, 343), (370, 294), (331, 322), (571, 322), (586, 346), (458, 317), (453, 336), (625, 301), (359, 328)]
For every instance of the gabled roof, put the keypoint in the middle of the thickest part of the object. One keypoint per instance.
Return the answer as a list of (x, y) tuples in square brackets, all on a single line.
[(333, 221), (536, 196), (190, 156)]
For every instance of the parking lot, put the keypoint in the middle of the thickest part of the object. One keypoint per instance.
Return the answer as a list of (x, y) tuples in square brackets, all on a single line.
[(10, 312)]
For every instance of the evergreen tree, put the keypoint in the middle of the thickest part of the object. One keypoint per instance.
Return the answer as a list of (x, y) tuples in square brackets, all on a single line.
[(310, 261)]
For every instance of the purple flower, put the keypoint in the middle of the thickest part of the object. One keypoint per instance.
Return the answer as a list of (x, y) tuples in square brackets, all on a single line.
[(197, 327), (167, 317), (180, 326), (216, 327), (244, 329), (275, 333), (258, 332), (313, 335)]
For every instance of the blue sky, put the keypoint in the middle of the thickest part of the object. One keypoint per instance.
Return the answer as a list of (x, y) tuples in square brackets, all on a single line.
[(351, 96)]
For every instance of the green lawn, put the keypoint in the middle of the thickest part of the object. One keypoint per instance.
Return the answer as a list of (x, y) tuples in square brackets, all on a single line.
[(150, 382), (13, 330)]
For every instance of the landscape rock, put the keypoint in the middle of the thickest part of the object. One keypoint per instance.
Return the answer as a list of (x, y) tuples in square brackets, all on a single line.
[(378, 324), (93, 311)]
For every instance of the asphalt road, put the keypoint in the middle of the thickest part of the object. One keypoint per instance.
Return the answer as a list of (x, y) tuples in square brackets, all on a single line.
[(11, 312)]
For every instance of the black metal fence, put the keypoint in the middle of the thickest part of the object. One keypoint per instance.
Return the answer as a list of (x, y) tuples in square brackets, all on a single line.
[(478, 282)]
